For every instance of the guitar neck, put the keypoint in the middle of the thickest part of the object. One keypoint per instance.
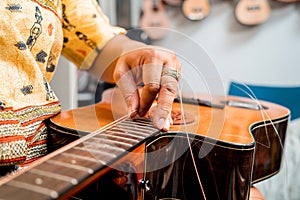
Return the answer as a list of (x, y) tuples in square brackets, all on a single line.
[(76, 163)]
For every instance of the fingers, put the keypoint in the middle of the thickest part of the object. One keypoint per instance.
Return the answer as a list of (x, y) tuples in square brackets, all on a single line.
[(165, 100), (159, 70), (151, 78), (126, 81)]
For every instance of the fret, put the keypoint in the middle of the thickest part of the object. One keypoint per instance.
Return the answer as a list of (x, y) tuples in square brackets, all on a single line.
[(140, 129), (119, 144), (106, 147), (145, 123), (85, 155), (61, 170), (77, 161), (84, 158), (126, 134), (9, 191), (115, 138), (139, 122), (134, 130), (72, 166), (34, 188), (37, 183), (69, 179), (98, 153)]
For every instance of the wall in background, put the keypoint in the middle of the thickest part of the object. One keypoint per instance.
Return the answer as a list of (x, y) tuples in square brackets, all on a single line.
[(264, 54)]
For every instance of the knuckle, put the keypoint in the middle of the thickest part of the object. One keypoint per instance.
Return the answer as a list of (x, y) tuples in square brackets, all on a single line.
[(151, 53), (170, 87), (153, 88), (117, 75)]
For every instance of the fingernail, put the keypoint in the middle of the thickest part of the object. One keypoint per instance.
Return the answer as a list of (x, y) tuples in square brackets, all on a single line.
[(132, 113), (161, 123)]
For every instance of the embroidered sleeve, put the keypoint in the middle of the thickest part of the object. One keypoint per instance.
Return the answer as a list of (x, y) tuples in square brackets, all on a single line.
[(86, 30)]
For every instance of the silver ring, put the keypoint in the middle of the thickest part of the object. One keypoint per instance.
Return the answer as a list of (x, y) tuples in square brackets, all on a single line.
[(171, 72)]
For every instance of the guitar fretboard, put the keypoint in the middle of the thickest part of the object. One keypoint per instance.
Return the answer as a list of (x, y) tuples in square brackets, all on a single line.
[(62, 172)]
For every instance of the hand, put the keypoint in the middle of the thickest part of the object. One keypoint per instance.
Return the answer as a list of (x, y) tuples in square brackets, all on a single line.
[(132, 63), (158, 69)]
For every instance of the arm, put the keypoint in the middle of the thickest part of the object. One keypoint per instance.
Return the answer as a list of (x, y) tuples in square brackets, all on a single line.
[(94, 45), (129, 63)]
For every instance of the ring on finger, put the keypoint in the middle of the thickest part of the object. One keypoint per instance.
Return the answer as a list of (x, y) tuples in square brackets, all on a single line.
[(171, 72)]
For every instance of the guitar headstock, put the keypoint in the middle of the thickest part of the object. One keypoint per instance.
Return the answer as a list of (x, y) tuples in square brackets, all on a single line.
[(196, 9), (252, 12), (154, 19)]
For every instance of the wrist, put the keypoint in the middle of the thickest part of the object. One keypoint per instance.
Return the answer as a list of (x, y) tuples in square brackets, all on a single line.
[(104, 64)]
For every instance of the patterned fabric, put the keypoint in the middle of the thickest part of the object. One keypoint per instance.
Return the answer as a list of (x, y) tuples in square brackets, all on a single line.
[(86, 31), (32, 36)]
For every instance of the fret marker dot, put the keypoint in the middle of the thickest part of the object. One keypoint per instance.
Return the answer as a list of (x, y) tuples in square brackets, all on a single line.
[(73, 161), (38, 181)]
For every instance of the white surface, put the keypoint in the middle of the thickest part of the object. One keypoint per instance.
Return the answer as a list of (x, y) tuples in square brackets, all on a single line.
[(64, 83), (264, 54)]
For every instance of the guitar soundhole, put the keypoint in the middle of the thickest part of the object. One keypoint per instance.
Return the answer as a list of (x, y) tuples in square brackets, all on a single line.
[(253, 8), (197, 10), (155, 24), (155, 8)]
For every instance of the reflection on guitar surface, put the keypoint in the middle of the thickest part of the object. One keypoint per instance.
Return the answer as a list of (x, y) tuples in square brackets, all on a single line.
[(230, 148)]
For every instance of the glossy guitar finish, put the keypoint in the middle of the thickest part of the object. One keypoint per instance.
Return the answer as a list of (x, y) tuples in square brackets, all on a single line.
[(227, 158)]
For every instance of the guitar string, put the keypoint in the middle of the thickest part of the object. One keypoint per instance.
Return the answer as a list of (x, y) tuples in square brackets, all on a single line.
[(252, 96), (189, 143)]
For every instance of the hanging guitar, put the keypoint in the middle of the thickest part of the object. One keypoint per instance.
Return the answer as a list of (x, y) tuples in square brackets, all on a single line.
[(232, 147), (196, 10), (252, 12), (154, 19)]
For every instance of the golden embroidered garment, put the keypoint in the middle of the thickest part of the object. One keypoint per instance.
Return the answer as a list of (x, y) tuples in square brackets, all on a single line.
[(33, 34)]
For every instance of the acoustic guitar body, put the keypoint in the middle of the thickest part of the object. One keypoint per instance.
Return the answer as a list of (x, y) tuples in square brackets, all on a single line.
[(196, 10), (218, 154)]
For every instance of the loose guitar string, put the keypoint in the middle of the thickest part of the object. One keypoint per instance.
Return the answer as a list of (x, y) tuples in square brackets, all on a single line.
[(263, 114), (189, 143)]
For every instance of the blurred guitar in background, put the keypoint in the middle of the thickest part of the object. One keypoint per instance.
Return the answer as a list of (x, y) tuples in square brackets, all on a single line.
[(196, 9), (252, 12), (154, 19)]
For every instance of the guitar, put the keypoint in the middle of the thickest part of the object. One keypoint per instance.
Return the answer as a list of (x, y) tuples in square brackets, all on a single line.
[(233, 147), (252, 12), (196, 9), (154, 19)]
